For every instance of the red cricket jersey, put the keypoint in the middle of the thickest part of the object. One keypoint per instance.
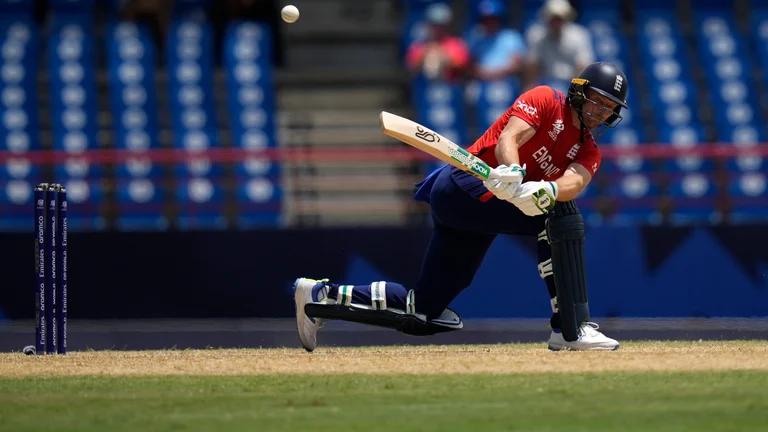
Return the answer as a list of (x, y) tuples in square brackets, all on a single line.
[(553, 147)]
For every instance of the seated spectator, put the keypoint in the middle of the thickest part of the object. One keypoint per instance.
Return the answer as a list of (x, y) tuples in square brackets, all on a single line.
[(497, 52), (441, 55), (558, 48)]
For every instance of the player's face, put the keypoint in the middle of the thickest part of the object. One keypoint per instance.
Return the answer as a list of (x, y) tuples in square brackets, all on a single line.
[(596, 109)]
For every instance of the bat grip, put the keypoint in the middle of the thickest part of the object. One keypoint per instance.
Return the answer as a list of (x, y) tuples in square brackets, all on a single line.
[(506, 177)]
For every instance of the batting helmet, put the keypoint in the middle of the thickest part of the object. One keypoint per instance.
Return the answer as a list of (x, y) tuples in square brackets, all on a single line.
[(607, 80)]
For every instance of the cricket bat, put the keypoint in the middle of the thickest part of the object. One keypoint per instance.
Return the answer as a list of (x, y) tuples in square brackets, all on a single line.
[(440, 147)]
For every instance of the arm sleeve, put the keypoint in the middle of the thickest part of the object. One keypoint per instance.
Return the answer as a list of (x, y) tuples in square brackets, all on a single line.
[(590, 158), (534, 105)]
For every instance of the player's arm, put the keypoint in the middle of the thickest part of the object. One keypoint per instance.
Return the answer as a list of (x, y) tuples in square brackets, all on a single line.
[(516, 133), (572, 182)]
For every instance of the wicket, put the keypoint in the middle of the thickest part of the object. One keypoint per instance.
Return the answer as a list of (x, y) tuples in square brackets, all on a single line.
[(51, 269)]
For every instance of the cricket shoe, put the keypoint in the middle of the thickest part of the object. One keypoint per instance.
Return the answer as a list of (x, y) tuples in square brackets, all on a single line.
[(589, 340), (309, 291)]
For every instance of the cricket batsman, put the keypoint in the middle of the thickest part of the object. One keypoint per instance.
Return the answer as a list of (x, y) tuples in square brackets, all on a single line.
[(546, 139)]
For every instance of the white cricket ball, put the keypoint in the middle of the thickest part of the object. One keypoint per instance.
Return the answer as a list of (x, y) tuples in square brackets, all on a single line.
[(290, 13)]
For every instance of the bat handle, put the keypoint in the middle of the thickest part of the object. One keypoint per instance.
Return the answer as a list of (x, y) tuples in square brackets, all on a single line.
[(506, 177)]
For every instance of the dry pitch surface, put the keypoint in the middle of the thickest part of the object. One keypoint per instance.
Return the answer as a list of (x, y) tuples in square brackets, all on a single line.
[(658, 386), (483, 359)]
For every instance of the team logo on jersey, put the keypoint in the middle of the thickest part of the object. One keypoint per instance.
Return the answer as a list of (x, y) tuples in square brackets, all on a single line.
[(557, 127), (572, 152), (524, 107), (618, 83), (544, 159)]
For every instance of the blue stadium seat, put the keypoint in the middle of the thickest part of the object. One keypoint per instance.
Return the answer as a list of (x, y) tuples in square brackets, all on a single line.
[(669, 78), (16, 205), (610, 44), (746, 137), (694, 200), (251, 96), (493, 99), (190, 65), (74, 101), (748, 195), (77, 167), (624, 137), (201, 205), (635, 199), (140, 205), (629, 133), (258, 203), (85, 201), (253, 167), (133, 95), (440, 107), (20, 168), (686, 137), (627, 164), (588, 202), (727, 66), (759, 30), (19, 123)]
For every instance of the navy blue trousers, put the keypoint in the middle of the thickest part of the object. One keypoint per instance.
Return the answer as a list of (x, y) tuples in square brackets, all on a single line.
[(464, 229)]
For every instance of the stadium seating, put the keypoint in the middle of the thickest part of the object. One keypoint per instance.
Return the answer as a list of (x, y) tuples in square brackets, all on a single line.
[(133, 96), (727, 67), (589, 205), (669, 79), (251, 97), (748, 194), (636, 200), (258, 203), (201, 204), (697, 86), (20, 41), (141, 205), (694, 200), (440, 107), (85, 204)]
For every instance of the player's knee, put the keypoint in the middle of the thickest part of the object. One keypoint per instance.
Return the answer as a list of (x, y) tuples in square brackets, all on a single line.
[(565, 223)]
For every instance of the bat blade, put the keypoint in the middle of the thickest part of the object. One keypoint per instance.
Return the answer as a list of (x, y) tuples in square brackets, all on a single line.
[(429, 141)]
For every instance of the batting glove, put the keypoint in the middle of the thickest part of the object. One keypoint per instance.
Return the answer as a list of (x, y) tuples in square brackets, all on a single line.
[(535, 198), (505, 189)]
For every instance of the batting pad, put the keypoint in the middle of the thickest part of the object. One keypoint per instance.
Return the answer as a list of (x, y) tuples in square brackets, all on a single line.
[(565, 229), (411, 324)]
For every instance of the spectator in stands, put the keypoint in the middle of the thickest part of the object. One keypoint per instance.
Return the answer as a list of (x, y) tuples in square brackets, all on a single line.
[(558, 48), (496, 52), (441, 55)]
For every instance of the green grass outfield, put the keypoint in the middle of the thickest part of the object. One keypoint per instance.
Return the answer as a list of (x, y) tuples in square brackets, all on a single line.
[(599, 400)]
